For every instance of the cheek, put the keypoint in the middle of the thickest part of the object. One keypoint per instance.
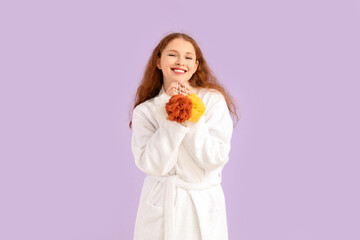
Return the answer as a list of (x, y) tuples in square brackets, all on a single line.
[(192, 67), (169, 59)]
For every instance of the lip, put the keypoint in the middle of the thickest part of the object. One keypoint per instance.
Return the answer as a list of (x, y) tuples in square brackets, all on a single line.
[(179, 69), (172, 69)]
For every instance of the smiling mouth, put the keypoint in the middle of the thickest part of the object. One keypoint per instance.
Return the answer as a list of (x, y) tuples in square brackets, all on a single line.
[(178, 71)]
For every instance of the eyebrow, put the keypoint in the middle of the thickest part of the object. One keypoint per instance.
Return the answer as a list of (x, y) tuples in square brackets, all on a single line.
[(177, 51)]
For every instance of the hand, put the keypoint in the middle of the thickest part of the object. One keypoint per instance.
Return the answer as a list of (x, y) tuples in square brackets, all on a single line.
[(175, 88), (186, 88)]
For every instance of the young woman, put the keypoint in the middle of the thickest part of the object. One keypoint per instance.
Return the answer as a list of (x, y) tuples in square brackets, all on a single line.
[(181, 196)]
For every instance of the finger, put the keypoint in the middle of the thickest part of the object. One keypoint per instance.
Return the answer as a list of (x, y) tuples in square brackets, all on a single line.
[(186, 85), (184, 88), (174, 91), (188, 89), (171, 91), (173, 85)]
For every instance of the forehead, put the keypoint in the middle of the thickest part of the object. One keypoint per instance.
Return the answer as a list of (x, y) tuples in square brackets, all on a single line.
[(180, 45)]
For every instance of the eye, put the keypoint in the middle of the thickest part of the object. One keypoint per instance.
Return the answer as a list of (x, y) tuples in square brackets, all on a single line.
[(189, 58), (171, 55)]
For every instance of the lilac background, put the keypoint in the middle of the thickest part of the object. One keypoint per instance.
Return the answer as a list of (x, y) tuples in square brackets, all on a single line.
[(69, 71)]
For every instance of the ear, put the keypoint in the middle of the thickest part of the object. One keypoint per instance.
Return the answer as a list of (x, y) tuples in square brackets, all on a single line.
[(196, 65), (158, 63)]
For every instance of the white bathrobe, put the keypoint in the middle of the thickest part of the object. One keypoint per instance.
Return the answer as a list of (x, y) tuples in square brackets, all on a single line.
[(181, 198)]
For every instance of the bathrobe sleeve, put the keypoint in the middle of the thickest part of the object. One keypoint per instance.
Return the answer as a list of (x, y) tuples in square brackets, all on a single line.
[(208, 142), (155, 149)]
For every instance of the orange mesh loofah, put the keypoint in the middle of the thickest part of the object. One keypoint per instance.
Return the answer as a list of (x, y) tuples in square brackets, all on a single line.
[(179, 108)]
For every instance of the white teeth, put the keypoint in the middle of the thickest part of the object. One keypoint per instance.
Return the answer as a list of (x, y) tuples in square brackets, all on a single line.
[(176, 70)]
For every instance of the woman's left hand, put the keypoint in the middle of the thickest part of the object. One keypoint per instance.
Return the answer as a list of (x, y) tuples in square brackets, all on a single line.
[(188, 89)]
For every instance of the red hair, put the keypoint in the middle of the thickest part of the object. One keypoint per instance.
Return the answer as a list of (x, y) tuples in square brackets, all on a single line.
[(152, 80)]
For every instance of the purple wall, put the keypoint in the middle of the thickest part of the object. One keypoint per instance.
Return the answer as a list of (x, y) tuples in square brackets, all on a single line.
[(69, 71)]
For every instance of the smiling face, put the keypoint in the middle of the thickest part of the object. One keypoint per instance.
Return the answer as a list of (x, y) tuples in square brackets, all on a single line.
[(178, 62)]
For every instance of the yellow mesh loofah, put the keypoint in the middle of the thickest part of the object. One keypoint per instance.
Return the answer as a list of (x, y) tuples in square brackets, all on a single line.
[(198, 108)]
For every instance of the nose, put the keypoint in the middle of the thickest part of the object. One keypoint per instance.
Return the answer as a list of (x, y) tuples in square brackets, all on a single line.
[(179, 61)]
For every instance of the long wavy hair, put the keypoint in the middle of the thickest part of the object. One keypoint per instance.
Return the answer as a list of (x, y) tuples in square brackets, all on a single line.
[(152, 80)]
